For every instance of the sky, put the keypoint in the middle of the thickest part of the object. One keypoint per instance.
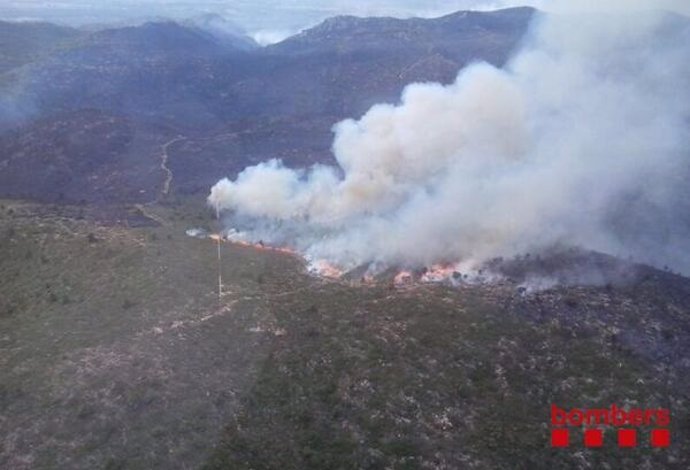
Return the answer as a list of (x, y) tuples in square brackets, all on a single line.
[(272, 20), (267, 17)]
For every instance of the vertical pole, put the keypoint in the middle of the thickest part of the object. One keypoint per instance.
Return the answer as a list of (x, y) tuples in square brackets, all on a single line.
[(220, 265), (220, 273)]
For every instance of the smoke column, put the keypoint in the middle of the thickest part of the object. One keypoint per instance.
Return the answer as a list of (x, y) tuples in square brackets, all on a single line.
[(582, 139)]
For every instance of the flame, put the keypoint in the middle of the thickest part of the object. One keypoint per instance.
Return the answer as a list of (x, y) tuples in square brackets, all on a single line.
[(257, 246), (263, 247), (403, 277), (325, 269), (439, 273)]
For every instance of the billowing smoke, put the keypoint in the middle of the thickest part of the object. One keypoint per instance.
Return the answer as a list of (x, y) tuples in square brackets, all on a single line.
[(581, 140)]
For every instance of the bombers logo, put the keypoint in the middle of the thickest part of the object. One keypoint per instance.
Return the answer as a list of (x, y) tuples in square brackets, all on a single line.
[(626, 422)]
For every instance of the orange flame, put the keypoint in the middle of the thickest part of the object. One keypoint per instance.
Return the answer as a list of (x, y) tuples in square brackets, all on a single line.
[(325, 269), (263, 247), (403, 277), (438, 273), (257, 246)]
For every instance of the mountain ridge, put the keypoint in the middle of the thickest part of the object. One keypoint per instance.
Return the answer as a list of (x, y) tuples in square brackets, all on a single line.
[(183, 81)]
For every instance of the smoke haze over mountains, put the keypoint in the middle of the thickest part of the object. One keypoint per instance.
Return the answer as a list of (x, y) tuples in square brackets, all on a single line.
[(270, 20), (582, 140), (266, 21)]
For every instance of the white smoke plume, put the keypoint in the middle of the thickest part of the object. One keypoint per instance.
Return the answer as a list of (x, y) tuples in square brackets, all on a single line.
[(582, 139)]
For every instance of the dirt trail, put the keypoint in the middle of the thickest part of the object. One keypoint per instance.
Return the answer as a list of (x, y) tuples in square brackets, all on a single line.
[(164, 164), (165, 190)]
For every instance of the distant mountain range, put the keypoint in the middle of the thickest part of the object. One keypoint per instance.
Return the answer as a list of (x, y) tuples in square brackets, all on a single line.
[(86, 114)]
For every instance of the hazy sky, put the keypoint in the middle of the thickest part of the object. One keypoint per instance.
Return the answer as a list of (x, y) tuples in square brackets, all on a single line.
[(252, 15), (270, 20)]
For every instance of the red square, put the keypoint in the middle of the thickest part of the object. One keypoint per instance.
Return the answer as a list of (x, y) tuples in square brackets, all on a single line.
[(627, 438), (594, 438), (560, 438), (661, 438)]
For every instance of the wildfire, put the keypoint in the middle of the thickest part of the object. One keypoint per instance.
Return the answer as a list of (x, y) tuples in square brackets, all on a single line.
[(403, 277), (325, 269), (445, 273), (263, 247), (257, 246), (439, 273)]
